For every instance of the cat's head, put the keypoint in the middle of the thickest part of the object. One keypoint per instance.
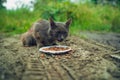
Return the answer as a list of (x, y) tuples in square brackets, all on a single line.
[(59, 30)]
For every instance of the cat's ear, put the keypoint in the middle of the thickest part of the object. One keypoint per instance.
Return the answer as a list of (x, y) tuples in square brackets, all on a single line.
[(52, 24), (68, 22)]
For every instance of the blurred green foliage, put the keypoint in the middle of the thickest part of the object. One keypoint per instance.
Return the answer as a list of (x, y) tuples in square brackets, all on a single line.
[(87, 16), (116, 24)]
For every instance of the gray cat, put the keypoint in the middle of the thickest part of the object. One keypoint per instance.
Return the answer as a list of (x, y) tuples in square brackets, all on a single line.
[(45, 33)]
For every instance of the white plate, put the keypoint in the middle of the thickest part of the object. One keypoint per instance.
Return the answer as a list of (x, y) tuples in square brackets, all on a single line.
[(55, 52)]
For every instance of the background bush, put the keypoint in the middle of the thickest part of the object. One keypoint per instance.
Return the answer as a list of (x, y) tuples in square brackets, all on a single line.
[(87, 16), (116, 24)]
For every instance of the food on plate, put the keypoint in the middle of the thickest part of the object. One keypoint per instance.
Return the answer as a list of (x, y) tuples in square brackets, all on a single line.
[(56, 48)]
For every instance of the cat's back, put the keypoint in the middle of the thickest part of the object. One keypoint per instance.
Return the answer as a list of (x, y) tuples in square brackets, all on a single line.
[(41, 25)]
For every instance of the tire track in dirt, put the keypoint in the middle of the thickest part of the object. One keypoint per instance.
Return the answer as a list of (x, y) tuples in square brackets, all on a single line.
[(48, 68), (51, 71), (55, 70), (69, 71), (34, 69), (38, 68)]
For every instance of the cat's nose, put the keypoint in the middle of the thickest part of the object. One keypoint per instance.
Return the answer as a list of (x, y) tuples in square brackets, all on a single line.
[(60, 40)]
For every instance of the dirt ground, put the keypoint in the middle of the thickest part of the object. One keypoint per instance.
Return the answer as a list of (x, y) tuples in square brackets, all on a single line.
[(109, 38), (88, 60)]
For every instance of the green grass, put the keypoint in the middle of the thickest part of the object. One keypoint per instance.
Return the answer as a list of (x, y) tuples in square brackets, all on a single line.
[(85, 17)]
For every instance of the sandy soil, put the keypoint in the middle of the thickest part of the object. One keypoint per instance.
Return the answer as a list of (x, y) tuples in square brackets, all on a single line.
[(88, 60)]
